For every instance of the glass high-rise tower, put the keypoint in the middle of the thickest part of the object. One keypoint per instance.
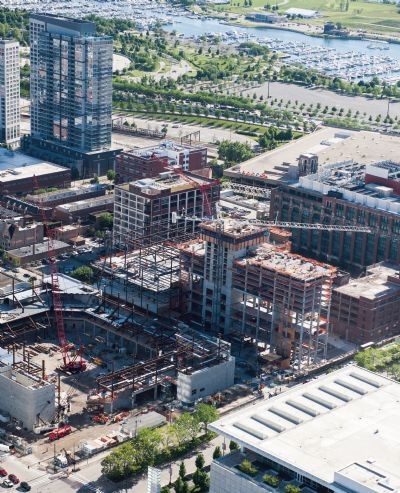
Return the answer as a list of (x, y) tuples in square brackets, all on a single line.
[(71, 92), (9, 93)]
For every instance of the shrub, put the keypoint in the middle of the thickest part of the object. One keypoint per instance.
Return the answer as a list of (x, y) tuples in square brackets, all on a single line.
[(217, 452), (247, 467), (271, 480), (233, 446), (291, 488)]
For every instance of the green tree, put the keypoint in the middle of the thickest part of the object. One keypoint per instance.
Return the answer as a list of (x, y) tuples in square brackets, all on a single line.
[(217, 452), (83, 273), (121, 463), (201, 480), (182, 470), (186, 428), (181, 486), (200, 461), (233, 446), (205, 414), (147, 443), (105, 221), (271, 479), (111, 175), (234, 152)]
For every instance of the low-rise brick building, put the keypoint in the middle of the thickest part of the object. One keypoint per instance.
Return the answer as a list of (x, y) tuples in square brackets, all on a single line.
[(26, 179), (150, 161), (368, 309)]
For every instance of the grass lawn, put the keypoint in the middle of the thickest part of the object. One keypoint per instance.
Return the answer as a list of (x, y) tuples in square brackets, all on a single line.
[(202, 120), (374, 17), (360, 14)]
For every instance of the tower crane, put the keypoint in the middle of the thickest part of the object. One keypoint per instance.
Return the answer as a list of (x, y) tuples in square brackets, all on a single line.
[(286, 224), (219, 230), (72, 363)]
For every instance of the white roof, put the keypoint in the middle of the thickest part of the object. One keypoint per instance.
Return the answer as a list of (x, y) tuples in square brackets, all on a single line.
[(303, 12), (29, 171), (350, 416)]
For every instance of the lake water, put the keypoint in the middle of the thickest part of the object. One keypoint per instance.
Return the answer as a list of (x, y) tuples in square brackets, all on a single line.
[(348, 59), (197, 27)]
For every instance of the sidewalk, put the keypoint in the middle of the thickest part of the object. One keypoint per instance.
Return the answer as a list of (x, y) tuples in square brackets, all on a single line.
[(206, 450)]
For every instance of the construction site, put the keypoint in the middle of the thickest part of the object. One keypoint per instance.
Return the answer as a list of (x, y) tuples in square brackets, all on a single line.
[(187, 304)]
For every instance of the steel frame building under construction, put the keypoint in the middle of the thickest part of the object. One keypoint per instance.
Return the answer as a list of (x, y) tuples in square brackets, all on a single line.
[(235, 282), (198, 365)]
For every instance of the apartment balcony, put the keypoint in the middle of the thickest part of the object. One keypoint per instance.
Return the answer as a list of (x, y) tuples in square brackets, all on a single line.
[(226, 476)]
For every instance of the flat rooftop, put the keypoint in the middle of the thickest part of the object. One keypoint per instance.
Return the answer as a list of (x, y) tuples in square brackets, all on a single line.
[(24, 172), (268, 256), (67, 193), (168, 181), (326, 425), (347, 178), (374, 285), (87, 203), (12, 159), (38, 248), (329, 144), (274, 165), (233, 228), (165, 149)]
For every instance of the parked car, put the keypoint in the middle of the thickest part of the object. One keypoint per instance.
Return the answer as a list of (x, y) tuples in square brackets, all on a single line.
[(3, 473), (7, 483), (24, 486), (13, 478)]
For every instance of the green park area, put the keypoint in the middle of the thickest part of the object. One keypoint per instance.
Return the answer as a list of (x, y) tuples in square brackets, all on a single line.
[(382, 17), (384, 360)]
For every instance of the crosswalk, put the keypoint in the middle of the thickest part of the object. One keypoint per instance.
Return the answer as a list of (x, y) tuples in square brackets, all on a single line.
[(39, 483)]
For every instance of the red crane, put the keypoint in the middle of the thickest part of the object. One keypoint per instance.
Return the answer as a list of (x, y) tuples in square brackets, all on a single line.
[(204, 189), (73, 363)]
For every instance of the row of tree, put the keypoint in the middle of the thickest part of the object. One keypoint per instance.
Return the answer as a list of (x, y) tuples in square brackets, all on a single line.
[(373, 87), (157, 446)]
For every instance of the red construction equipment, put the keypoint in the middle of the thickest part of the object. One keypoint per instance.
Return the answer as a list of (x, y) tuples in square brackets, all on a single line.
[(204, 189), (71, 363), (100, 418), (60, 432)]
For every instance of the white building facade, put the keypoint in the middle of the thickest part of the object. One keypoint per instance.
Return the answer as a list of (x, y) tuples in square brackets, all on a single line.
[(338, 433)]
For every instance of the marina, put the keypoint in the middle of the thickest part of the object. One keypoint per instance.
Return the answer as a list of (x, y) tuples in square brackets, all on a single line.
[(347, 59)]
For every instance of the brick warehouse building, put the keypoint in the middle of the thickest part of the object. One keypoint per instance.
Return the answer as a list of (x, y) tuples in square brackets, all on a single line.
[(26, 179), (340, 194), (368, 309), (150, 161)]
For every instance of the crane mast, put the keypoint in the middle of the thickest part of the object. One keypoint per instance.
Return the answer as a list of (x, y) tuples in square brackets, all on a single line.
[(73, 363)]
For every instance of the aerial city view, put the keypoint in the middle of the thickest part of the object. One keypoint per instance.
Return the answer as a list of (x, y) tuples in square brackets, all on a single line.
[(200, 246)]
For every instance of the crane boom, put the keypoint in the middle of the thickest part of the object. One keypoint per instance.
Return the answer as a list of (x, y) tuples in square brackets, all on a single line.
[(317, 226), (287, 224)]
